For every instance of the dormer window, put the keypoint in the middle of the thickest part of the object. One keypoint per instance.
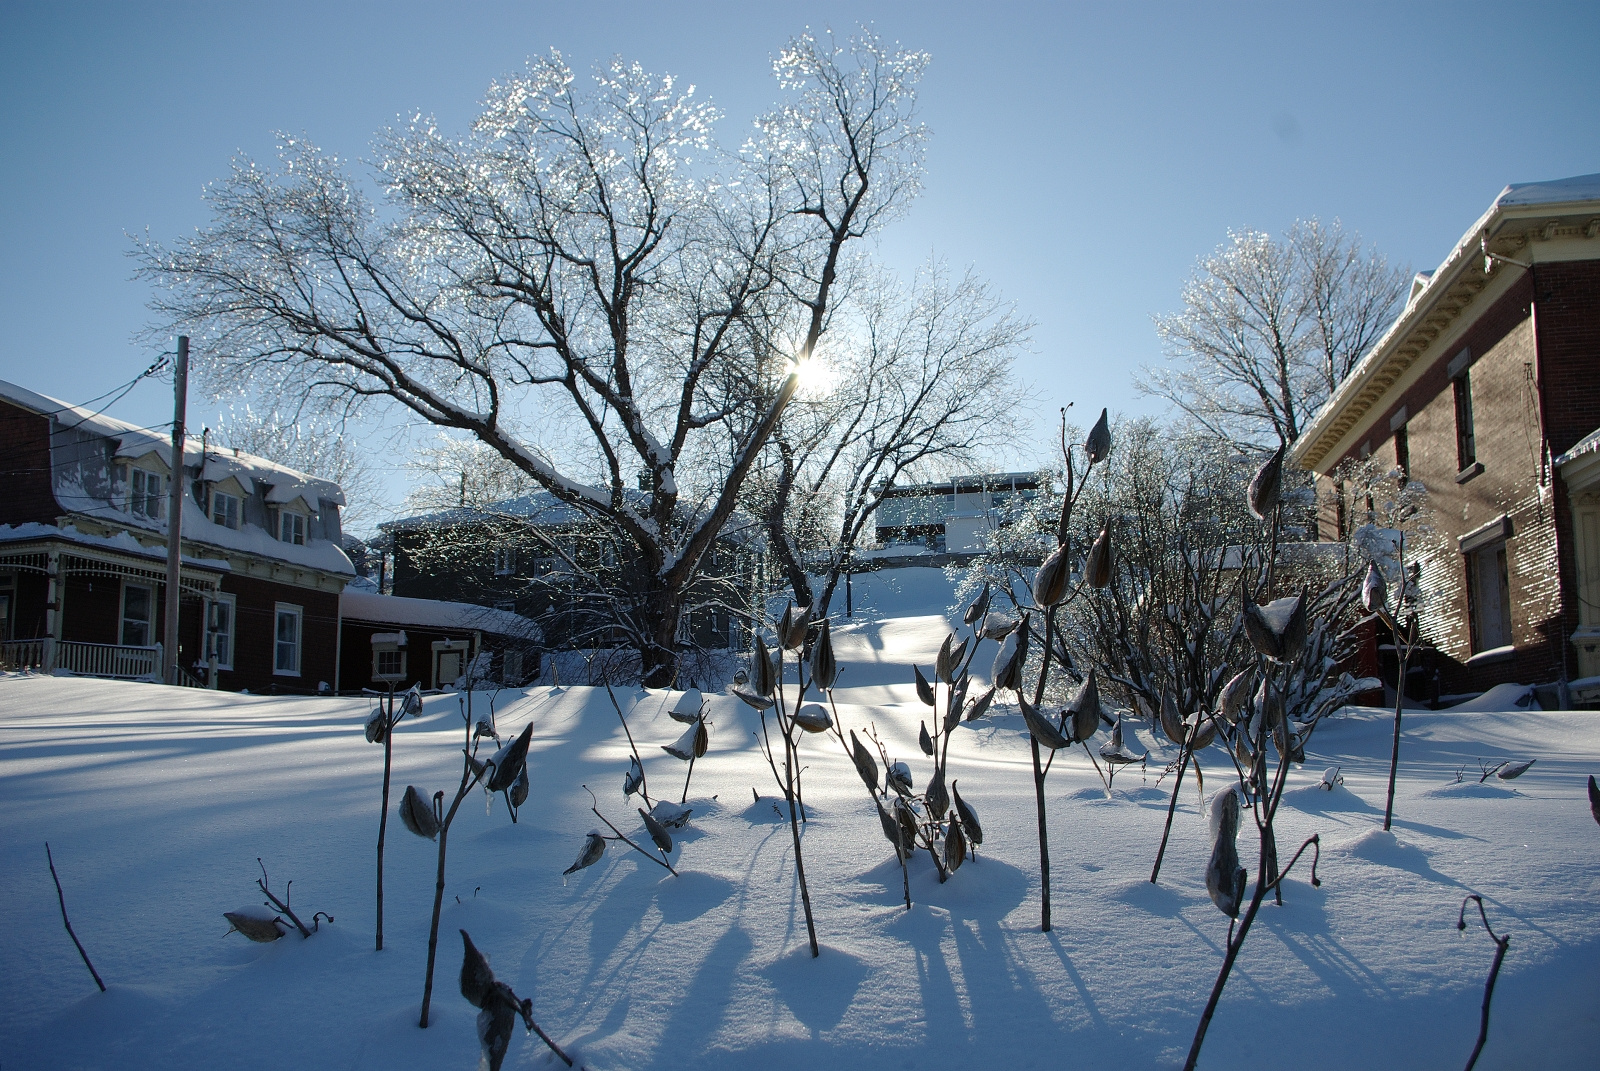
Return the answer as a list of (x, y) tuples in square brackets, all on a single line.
[(225, 509), (292, 527), (147, 494), (505, 561)]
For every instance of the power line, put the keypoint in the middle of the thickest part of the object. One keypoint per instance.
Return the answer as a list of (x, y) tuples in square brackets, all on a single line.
[(159, 363)]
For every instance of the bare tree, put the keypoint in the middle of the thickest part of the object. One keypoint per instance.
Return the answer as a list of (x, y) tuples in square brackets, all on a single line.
[(570, 282), (1270, 328), (922, 374)]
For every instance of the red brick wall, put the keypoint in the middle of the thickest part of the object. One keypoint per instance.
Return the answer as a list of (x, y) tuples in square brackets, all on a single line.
[(254, 636), (25, 463)]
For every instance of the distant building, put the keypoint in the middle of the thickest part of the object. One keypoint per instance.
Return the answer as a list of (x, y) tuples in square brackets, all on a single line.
[(83, 537), (1486, 389), (955, 516), (432, 643)]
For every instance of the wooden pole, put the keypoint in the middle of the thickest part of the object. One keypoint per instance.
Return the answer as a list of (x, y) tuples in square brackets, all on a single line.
[(180, 398)]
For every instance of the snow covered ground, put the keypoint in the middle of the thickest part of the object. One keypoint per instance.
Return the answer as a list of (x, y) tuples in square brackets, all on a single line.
[(157, 802)]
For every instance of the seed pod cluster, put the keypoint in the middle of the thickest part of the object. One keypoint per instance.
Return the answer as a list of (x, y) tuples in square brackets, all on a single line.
[(506, 765), (1278, 629)]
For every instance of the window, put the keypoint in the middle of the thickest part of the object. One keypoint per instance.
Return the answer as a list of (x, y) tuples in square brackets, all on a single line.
[(505, 561), (1466, 441), (286, 645), (292, 527), (225, 509), (220, 625), (138, 604), (1402, 453), (146, 495), (511, 668), (389, 663), (1490, 592)]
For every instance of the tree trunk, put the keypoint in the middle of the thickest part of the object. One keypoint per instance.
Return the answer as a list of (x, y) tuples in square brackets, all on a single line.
[(658, 656)]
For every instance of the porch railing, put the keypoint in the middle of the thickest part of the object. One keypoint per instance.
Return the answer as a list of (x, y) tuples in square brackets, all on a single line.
[(24, 654), (108, 659)]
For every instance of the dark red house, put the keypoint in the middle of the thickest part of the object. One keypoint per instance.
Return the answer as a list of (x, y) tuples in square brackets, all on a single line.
[(1487, 390), (83, 536)]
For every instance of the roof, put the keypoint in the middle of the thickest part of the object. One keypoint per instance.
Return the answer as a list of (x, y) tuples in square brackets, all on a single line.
[(1589, 444), (435, 613), (1519, 226), (122, 543), (281, 485), (543, 509)]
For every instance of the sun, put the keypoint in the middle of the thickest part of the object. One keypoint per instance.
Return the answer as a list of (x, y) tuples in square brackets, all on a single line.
[(817, 376)]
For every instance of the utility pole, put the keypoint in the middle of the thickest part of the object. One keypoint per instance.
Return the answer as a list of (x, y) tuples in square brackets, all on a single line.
[(180, 400)]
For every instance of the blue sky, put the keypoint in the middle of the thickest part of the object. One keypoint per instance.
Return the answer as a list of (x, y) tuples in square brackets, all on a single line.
[(1083, 155)]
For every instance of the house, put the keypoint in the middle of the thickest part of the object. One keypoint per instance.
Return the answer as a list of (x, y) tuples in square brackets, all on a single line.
[(546, 560), (389, 639), (955, 516), (83, 537), (1486, 389)]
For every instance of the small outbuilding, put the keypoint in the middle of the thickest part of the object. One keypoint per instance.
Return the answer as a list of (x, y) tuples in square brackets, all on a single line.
[(388, 639)]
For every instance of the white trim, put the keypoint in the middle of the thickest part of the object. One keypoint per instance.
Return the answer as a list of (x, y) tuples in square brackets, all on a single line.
[(279, 610), (122, 614), (232, 603)]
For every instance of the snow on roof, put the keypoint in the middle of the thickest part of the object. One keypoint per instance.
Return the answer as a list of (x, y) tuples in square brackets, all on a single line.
[(285, 483), (122, 542), (1589, 444), (1551, 191), (546, 510), (436, 613)]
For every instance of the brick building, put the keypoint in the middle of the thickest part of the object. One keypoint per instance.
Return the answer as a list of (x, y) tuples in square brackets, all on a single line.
[(83, 538), (1483, 390)]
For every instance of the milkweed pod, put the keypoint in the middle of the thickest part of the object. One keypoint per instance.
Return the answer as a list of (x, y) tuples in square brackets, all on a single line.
[(509, 760), (980, 705), (938, 796), (672, 815), (702, 739), (1013, 656), (1267, 485), (519, 788), (1294, 630), (477, 979), (690, 705), (824, 667), (998, 626), (633, 780), (417, 813), (1241, 748), (792, 629), (483, 728), (594, 846), (1050, 582), (1259, 632), (1594, 798), (1374, 590), (762, 678), (924, 689), (1085, 708), (1235, 694), (1097, 447), (255, 923), (955, 847), (977, 607), (967, 813), (956, 703), (683, 747), (908, 822), (411, 705), (1202, 731), (924, 741), (760, 702), (657, 831), (1097, 569), (1225, 878), (1513, 770), (891, 831), (941, 662), (1040, 726), (813, 718), (1171, 720), (866, 765), (377, 725), (900, 778)]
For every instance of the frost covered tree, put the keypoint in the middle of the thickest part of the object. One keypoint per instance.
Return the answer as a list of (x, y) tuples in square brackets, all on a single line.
[(918, 375), (314, 442), (582, 282), (1269, 329)]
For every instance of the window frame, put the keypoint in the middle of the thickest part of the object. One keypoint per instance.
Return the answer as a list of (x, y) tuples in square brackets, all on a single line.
[(1478, 558), (505, 561), (222, 598), (140, 497), (149, 621), (219, 497), (280, 611), (299, 525), (1466, 431)]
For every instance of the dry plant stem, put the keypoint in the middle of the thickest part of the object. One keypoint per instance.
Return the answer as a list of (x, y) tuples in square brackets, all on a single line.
[(1038, 780), (1172, 805), (685, 798), (1403, 649), (658, 860), (468, 779), (383, 813), (1500, 946), (644, 787), (68, 922), (1236, 941), (546, 1039), (283, 905)]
